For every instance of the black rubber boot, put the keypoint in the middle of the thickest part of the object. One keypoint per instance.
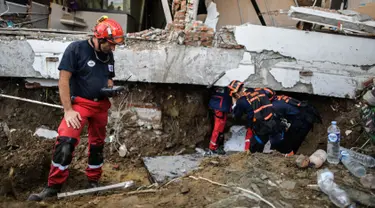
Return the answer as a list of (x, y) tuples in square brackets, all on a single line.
[(48, 192), (218, 151)]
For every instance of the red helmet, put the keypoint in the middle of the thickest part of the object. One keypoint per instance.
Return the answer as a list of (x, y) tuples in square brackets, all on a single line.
[(110, 30), (235, 86)]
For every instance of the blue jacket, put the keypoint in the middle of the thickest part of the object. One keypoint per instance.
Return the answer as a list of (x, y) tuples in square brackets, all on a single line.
[(284, 109), (220, 100), (243, 107)]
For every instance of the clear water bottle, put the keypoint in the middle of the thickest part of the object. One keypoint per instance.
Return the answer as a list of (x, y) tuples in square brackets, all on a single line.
[(337, 196), (365, 160), (325, 181), (353, 166), (340, 198), (333, 144)]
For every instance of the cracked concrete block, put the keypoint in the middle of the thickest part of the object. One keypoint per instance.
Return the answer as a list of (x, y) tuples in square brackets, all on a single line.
[(307, 46), (246, 60), (45, 133), (165, 168), (287, 78), (149, 116)]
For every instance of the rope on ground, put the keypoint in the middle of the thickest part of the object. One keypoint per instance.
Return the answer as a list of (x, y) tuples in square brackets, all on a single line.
[(239, 188), (171, 181)]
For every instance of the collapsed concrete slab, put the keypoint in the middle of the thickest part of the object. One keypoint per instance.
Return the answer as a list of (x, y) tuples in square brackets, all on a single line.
[(346, 20), (283, 59), (165, 168)]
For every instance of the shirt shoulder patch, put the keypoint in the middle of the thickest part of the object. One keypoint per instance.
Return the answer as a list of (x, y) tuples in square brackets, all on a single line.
[(91, 63)]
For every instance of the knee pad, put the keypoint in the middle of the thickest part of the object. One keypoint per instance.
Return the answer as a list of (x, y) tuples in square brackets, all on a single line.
[(96, 155), (64, 150)]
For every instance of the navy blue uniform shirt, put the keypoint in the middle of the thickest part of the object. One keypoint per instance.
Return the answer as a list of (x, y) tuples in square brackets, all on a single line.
[(243, 107), (284, 109), (89, 74)]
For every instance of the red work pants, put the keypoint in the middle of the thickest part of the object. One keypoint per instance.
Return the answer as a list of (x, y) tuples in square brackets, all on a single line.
[(96, 115), (219, 125), (249, 135)]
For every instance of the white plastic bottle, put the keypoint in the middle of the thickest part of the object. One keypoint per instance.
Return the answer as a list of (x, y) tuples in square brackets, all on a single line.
[(333, 144)]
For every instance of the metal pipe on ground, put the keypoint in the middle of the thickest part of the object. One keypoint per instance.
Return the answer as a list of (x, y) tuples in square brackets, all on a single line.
[(31, 101), (122, 185)]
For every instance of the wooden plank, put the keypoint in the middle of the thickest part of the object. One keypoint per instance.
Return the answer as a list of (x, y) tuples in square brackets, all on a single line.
[(167, 11)]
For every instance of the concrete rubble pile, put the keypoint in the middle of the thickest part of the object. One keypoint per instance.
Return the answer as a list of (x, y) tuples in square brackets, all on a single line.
[(225, 38), (338, 20), (186, 31), (150, 34), (198, 34)]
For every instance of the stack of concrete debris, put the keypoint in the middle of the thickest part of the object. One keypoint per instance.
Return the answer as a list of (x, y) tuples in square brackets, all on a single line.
[(346, 21), (198, 34), (225, 38), (150, 34)]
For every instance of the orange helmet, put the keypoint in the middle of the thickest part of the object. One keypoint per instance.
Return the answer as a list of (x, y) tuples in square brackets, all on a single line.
[(234, 86), (109, 30)]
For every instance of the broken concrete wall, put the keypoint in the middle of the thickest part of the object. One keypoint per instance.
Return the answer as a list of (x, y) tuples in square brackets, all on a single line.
[(322, 64), (292, 60)]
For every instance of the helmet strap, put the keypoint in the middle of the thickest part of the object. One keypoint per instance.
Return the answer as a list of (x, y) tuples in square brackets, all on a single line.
[(100, 42)]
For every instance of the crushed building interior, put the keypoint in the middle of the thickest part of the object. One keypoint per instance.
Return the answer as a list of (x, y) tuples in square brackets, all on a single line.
[(176, 54)]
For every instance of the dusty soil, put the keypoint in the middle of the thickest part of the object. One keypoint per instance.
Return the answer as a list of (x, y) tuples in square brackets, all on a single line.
[(186, 124), (274, 177)]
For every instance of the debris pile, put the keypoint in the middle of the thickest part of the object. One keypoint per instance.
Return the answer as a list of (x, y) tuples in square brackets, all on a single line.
[(150, 34), (346, 21), (225, 38), (226, 181), (198, 34)]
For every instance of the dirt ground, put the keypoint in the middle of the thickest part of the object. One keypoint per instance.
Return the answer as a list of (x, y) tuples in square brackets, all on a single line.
[(186, 125)]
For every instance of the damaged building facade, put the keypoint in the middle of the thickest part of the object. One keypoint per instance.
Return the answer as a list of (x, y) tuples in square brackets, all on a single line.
[(195, 48)]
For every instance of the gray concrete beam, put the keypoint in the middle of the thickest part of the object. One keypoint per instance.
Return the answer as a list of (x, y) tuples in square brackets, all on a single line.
[(283, 59)]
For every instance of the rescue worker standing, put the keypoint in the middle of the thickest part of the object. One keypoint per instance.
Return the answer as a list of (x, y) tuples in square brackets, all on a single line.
[(262, 123), (220, 103), (86, 67)]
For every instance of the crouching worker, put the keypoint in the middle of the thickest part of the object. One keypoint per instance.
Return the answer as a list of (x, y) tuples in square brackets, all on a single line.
[(85, 69), (301, 116), (220, 103), (262, 123)]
